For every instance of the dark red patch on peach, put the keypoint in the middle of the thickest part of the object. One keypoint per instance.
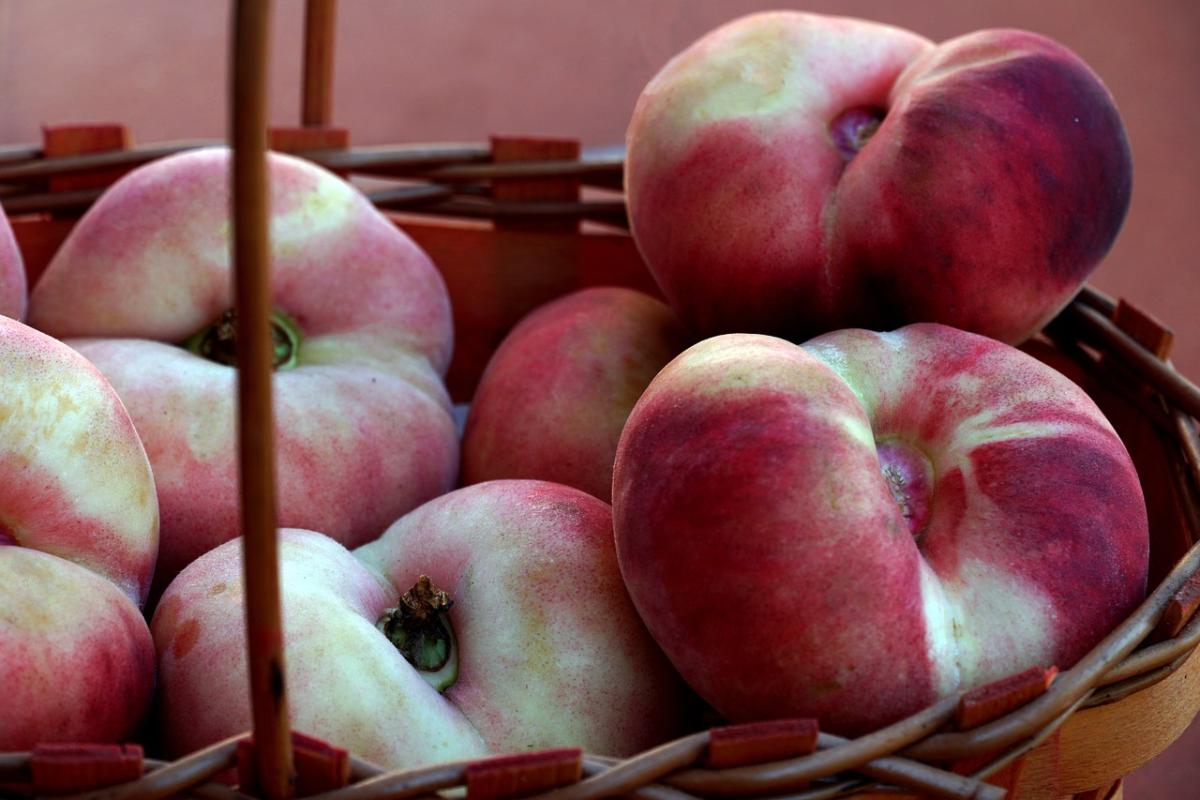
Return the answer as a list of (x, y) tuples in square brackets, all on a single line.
[(1013, 174), (939, 545), (1083, 544)]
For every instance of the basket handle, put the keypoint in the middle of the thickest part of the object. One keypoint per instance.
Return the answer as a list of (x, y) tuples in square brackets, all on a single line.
[(317, 100), (256, 428)]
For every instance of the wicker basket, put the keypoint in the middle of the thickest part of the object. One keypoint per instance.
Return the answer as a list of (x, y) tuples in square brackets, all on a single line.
[(1124, 703)]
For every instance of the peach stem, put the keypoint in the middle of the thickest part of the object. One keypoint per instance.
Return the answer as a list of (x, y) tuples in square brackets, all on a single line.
[(218, 340), (420, 629)]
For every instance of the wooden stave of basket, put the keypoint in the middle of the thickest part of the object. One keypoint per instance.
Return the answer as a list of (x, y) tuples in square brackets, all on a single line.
[(1073, 739)]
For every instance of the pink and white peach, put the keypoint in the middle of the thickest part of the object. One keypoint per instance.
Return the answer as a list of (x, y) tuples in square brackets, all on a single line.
[(78, 538), (556, 393), (855, 528), (549, 652), (793, 173), (364, 429)]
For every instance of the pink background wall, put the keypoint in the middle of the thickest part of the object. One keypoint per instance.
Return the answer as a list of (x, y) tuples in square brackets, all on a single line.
[(461, 69)]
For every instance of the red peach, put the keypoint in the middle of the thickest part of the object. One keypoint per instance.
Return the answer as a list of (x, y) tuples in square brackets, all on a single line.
[(855, 528), (793, 173), (555, 395)]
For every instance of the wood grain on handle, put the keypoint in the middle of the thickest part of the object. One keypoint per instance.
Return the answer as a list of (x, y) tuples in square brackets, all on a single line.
[(256, 427)]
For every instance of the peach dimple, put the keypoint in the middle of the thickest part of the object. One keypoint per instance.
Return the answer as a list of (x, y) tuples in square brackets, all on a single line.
[(909, 476), (853, 128)]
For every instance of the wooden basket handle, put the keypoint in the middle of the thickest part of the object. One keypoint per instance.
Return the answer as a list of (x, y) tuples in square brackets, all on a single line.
[(256, 428), (317, 105)]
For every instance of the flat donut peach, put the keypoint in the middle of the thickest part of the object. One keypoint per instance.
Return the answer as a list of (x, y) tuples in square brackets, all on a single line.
[(856, 527), (794, 173), (525, 638), (143, 288)]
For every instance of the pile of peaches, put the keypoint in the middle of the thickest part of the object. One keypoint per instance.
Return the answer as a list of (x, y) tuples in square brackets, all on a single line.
[(819, 480)]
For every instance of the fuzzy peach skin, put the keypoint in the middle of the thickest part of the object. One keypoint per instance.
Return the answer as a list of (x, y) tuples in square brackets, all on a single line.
[(78, 537), (13, 290), (74, 478), (551, 651), (364, 431), (793, 173), (556, 393), (899, 516)]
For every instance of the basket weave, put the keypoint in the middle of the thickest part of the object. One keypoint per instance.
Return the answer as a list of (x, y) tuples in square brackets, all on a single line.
[(1119, 706)]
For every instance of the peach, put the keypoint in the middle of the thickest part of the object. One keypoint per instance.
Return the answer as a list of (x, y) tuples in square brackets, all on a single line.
[(556, 393), (534, 645), (142, 287), (794, 173), (876, 520)]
